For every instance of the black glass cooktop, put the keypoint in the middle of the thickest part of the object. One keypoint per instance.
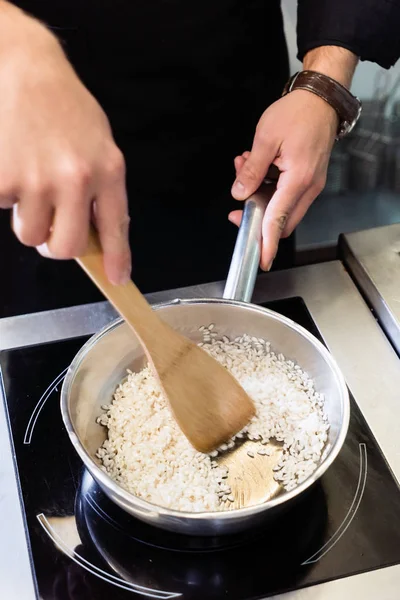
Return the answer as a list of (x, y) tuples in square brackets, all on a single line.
[(85, 548)]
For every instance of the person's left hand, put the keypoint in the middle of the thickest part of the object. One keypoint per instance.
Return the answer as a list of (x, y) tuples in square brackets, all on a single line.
[(296, 133)]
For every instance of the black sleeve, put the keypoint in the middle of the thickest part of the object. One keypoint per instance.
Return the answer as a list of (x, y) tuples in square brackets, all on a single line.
[(368, 28)]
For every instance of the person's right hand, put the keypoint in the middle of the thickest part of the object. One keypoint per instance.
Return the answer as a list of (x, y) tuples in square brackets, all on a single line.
[(59, 165)]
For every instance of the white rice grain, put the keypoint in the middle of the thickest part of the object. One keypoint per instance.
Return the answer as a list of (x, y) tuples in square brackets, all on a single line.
[(148, 455)]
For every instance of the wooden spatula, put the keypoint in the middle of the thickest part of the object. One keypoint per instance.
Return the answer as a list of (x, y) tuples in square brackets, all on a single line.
[(208, 403)]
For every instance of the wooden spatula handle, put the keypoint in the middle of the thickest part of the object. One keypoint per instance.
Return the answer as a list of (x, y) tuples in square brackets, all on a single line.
[(208, 403), (126, 299)]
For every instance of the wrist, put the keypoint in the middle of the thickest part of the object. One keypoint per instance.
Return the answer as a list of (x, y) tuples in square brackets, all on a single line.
[(331, 91), (333, 61)]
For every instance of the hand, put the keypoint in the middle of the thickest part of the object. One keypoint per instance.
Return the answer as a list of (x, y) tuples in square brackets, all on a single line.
[(296, 133), (59, 165)]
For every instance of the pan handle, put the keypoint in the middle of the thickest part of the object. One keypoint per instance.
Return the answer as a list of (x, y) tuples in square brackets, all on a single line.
[(246, 255)]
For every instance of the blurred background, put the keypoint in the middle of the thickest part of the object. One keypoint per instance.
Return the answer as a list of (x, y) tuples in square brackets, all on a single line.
[(363, 186)]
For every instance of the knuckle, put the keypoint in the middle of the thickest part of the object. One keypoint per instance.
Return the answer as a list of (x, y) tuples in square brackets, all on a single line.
[(118, 230), (307, 179), (320, 184), (114, 164), (250, 172), (36, 185), (76, 171)]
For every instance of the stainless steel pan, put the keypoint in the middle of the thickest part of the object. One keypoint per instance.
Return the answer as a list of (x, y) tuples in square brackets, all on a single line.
[(102, 363)]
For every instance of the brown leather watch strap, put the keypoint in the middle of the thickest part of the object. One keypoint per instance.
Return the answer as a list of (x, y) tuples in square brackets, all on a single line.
[(347, 106)]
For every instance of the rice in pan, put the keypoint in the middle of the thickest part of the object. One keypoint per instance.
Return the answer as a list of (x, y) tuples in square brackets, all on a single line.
[(148, 455)]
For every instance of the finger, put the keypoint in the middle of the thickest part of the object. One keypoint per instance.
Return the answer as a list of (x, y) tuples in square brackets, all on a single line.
[(69, 231), (277, 214), (235, 217), (255, 167), (300, 210), (32, 219), (238, 162), (112, 221)]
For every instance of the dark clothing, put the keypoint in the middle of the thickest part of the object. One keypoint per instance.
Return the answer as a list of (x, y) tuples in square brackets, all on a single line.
[(184, 83), (179, 83), (369, 28)]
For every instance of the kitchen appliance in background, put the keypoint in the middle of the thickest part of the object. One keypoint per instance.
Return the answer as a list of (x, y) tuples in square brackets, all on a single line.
[(337, 181), (366, 154), (369, 159)]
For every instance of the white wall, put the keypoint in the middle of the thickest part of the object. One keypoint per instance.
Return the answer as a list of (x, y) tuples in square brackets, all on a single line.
[(289, 9), (365, 77)]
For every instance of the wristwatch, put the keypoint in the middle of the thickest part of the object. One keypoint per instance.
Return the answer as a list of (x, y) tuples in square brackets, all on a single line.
[(347, 106)]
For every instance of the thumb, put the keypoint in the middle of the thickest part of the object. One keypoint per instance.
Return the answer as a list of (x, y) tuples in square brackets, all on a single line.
[(254, 169)]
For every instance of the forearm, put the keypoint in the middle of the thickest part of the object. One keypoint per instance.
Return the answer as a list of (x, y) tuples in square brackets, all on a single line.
[(333, 61)]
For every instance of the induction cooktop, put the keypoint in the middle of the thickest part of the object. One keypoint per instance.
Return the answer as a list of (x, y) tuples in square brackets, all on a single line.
[(83, 547)]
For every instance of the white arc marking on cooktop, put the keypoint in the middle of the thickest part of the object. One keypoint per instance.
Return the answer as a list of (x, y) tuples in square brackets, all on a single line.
[(40, 404), (362, 479), (85, 564)]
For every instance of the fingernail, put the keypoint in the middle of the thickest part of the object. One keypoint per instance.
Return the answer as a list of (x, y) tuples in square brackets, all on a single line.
[(238, 187), (268, 267)]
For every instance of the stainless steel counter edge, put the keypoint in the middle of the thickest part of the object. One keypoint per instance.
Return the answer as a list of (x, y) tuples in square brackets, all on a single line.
[(369, 364), (373, 258)]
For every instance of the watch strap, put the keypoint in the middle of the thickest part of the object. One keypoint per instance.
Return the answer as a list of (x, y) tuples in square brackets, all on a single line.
[(346, 105)]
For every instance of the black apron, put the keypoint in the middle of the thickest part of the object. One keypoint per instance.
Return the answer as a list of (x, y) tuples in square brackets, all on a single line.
[(183, 84)]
